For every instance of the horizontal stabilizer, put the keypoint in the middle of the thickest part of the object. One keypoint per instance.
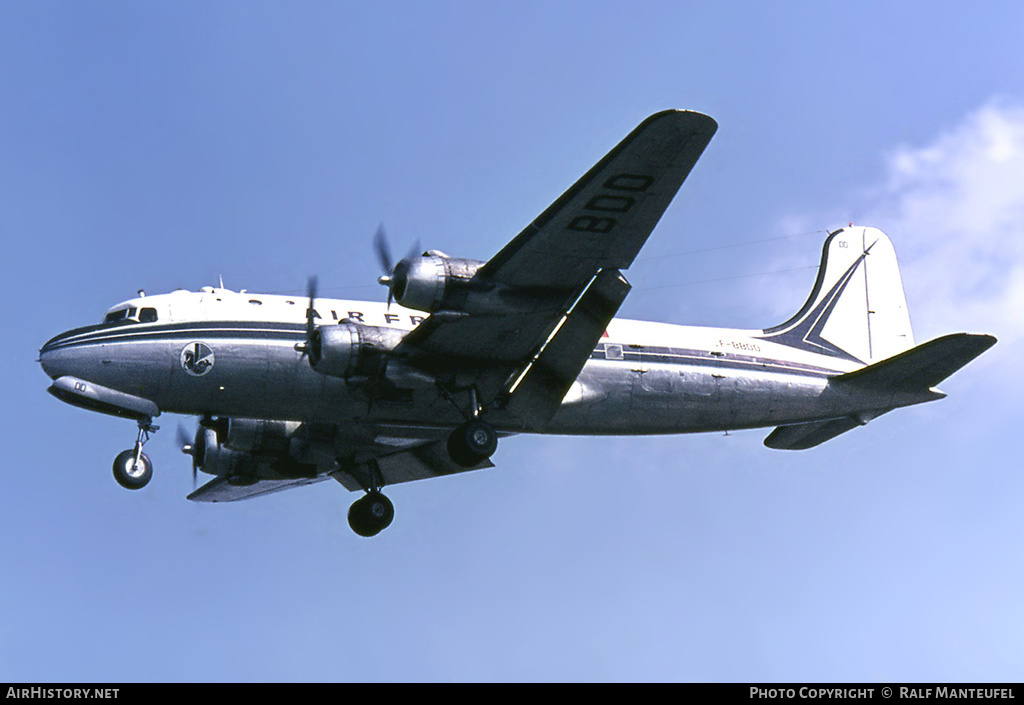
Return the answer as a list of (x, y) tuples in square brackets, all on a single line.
[(922, 367), (906, 378), (802, 436)]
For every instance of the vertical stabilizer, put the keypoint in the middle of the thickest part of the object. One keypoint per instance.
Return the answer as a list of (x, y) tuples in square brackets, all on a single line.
[(857, 309)]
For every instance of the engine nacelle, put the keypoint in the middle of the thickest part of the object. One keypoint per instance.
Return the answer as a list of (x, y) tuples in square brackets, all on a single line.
[(213, 458), (246, 450), (433, 282), (352, 349), (260, 436)]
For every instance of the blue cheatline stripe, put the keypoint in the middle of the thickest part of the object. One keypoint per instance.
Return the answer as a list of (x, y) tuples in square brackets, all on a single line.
[(293, 332), (215, 329), (670, 356)]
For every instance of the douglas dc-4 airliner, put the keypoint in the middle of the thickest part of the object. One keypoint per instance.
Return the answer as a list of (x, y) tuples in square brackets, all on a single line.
[(295, 390)]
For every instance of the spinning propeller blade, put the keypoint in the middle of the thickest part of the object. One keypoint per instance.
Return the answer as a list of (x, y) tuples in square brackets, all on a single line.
[(380, 245), (388, 267), (306, 345), (193, 448)]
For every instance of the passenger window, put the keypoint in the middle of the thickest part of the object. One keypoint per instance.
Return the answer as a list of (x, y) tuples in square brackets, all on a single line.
[(612, 352)]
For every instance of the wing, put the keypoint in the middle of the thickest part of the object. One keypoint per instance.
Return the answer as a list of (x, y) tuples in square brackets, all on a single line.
[(220, 490), (556, 286), (599, 224), (416, 462), (607, 216)]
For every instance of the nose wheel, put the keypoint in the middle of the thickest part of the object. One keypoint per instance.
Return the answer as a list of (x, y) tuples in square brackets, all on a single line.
[(132, 471), (132, 468)]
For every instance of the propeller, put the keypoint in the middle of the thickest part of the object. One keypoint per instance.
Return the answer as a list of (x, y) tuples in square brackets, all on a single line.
[(306, 346), (392, 272), (194, 448)]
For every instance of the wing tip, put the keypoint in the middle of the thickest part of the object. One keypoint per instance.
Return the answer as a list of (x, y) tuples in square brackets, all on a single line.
[(693, 118)]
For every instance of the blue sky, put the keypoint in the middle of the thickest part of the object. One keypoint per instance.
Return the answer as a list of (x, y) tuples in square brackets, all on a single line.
[(158, 145)]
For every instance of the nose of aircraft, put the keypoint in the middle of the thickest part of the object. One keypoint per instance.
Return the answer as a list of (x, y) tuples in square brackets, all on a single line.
[(46, 358), (58, 357)]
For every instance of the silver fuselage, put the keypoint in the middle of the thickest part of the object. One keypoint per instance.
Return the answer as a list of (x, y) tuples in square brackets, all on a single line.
[(223, 353)]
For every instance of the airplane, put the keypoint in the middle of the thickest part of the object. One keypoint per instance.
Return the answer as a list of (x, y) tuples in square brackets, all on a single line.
[(463, 353)]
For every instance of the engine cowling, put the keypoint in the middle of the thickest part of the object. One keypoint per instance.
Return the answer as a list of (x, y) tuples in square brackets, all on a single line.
[(260, 436), (213, 458), (247, 450), (352, 349), (433, 282)]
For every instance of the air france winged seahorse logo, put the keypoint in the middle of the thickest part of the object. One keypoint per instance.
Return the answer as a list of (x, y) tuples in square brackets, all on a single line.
[(197, 359)]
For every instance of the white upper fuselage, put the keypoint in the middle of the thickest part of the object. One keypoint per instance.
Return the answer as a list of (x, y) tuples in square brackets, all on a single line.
[(642, 377), (216, 304)]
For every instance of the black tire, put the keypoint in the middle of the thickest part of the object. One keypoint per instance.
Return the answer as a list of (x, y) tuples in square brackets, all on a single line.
[(132, 475), (371, 514), (472, 443)]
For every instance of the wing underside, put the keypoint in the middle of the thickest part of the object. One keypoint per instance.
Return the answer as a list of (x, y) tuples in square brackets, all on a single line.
[(418, 462), (598, 225)]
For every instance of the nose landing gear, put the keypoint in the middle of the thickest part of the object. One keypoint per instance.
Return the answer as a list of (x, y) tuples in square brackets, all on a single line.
[(133, 468)]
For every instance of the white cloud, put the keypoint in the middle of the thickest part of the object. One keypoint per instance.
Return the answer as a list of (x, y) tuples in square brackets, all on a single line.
[(954, 209)]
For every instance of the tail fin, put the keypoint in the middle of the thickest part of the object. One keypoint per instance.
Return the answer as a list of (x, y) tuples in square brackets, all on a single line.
[(857, 309)]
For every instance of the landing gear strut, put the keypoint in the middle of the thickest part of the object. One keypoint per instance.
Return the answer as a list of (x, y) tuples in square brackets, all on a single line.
[(133, 468), (474, 441), (373, 512)]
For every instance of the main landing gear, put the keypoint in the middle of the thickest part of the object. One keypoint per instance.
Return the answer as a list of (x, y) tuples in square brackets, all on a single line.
[(371, 514), (474, 441), (133, 468), (470, 444)]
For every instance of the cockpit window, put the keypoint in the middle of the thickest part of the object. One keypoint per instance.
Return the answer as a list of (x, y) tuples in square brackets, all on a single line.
[(114, 316), (131, 314)]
